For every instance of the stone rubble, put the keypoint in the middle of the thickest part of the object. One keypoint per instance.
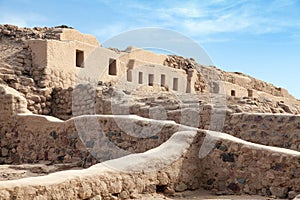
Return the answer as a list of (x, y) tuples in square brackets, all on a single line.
[(43, 115)]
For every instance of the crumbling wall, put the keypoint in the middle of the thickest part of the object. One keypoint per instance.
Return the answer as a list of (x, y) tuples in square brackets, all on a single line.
[(233, 166), (16, 67), (36, 60), (38, 100), (55, 144), (86, 99), (249, 82), (11, 103), (61, 105), (145, 56), (281, 130), (75, 101), (179, 62), (74, 140), (123, 181), (238, 167), (17, 33), (72, 34), (195, 74), (232, 80)]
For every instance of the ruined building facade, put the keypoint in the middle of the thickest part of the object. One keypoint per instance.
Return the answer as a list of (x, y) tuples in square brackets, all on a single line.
[(60, 91)]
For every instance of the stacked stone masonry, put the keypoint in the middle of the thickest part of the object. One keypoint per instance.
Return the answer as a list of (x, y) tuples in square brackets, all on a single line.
[(43, 80), (257, 170), (267, 129)]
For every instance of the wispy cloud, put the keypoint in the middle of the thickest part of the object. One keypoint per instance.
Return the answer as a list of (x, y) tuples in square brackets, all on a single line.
[(185, 12), (235, 17), (213, 18)]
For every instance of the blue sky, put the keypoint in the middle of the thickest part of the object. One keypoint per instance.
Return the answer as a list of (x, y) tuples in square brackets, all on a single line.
[(259, 38)]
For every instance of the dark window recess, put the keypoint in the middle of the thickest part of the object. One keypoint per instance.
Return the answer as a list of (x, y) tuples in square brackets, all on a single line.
[(250, 93), (175, 84), (163, 80), (233, 93), (112, 70), (79, 58), (150, 79), (129, 75), (140, 77)]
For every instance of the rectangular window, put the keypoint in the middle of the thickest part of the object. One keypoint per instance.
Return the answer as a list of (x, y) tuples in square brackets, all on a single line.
[(140, 77), (163, 80), (233, 93), (150, 79), (129, 75), (175, 84), (79, 58), (112, 69), (250, 93)]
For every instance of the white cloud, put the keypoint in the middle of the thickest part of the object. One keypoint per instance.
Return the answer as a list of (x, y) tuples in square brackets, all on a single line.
[(225, 23), (186, 12), (209, 20), (219, 17)]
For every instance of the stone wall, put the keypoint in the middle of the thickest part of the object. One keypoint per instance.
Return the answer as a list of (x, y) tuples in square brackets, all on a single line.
[(195, 73), (35, 61), (233, 166), (236, 81), (261, 105), (75, 101), (11, 103), (17, 33), (19, 72), (86, 99), (252, 83), (38, 99), (61, 105), (21, 60), (281, 130), (48, 62), (67, 142), (19, 142), (108, 100), (123, 178)]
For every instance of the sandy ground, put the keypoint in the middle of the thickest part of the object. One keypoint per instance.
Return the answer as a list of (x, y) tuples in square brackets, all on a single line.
[(13, 172), (203, 195)]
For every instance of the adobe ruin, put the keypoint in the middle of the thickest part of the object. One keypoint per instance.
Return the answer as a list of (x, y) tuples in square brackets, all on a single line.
[(53, 81)]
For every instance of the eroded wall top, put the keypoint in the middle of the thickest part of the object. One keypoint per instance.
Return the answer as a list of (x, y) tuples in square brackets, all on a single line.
[(72, 34)]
